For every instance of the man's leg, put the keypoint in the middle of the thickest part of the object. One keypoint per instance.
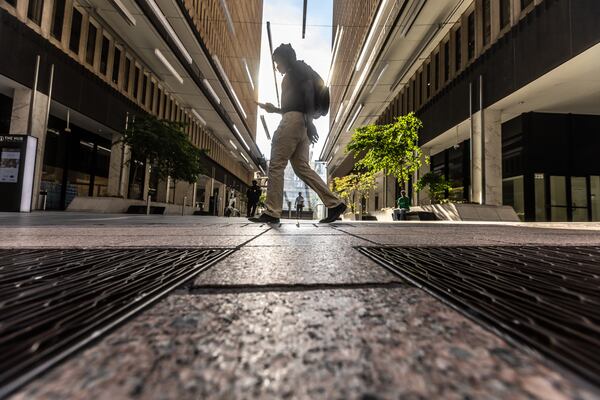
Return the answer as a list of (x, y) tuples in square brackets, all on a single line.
[(248, 208), (301, 167), (285, 141)]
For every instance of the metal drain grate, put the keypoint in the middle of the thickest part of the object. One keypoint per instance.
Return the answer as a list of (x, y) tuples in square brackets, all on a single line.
[(54, 302), (546, 298)]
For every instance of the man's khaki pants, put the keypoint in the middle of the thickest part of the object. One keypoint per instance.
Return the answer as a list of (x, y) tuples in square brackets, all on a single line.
[(291, 143)]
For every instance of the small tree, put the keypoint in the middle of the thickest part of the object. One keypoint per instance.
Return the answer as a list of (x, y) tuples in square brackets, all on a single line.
[(353, 187), (391, 148), (438, 186), (164, 145)]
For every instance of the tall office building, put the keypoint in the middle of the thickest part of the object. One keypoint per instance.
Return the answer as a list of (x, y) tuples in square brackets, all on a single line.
[(506, 90), (191, 61)]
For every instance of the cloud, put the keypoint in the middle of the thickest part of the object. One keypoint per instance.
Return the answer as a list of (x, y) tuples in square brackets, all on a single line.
[(315, 50)]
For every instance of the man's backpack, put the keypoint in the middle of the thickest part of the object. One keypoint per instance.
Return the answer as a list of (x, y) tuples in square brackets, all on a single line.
[(321, 91)]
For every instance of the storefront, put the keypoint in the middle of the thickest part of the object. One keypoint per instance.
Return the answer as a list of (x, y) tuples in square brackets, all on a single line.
[(76, 163)]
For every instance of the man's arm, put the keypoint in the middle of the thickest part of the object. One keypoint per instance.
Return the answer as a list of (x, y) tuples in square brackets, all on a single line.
[(309, 104), (270, 108)]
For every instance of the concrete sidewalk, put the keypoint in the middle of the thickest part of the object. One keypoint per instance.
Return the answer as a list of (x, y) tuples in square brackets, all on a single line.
[(295, 312)]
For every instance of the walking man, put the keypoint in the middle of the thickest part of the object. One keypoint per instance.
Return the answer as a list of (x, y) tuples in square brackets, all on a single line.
[(292, 139), (253, 195), (299, 205)]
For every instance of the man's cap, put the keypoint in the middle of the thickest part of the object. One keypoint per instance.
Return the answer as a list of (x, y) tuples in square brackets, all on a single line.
[(285, 51)]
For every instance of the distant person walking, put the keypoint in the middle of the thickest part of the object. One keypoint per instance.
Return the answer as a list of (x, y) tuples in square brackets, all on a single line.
[(301, 100), (403, 204), (253, 195), (299, 205)]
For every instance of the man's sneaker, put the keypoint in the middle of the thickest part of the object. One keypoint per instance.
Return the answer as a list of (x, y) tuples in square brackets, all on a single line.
[(265, 219), (333, 213)]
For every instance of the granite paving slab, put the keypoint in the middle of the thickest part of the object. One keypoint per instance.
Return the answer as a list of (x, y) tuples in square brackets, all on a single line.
[(295, 265), (378, 343)]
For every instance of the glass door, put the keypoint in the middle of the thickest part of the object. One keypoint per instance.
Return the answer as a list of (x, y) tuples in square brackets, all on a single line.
[(558, 198), (595, 197), (579, 198)]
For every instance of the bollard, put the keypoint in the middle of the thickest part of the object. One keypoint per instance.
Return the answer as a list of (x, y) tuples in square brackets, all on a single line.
[(183, 206), (289, 209), (44, 195), (148, 199)]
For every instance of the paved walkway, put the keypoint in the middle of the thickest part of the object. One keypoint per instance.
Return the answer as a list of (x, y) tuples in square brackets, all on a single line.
[(295, 312)]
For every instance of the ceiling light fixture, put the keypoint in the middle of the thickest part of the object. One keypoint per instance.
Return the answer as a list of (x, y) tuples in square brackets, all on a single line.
[(367, 44), (228, 83), (211, 90), (379, 78), (233, 144), (168, 65), (240, 137), (123, 11), (163, 20), (197, 115), (354, 117)]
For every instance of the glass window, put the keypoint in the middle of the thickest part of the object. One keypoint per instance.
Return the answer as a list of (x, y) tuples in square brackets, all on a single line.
[(558, 198), (514, 195), (579, 198), (540, 197), (144, 89), (504, 13), (116, 66), (151, 96), (446, 61), (471, 36), (436, 72), (104, 55), (487, 22), (58, 17), (34, 11), (427, 81), (136, 82), (457, 50), (525, 4), (90, 50), (126, 74), (595, 197), (75, 31)]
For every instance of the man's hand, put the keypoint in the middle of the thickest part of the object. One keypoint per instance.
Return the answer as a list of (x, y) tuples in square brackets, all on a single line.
[(268, 107), (311, 131)]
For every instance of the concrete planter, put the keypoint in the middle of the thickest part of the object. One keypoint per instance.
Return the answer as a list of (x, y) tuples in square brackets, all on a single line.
[(472, 212)]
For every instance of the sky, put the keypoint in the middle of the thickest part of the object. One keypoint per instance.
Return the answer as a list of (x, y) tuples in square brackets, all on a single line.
[(315, 49)]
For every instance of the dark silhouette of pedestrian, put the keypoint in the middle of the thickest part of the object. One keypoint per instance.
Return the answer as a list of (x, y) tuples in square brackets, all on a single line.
[(299, 205), (253, 194), (303, 97)]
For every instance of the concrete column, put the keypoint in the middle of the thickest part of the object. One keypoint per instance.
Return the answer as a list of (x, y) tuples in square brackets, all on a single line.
[(422, 197), (119, 168), (486, 164), (18, 126), (183, 189), (390, 192)]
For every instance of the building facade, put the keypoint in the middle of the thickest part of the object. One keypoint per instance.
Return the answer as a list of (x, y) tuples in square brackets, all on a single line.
[(507, 93), (95, 65)]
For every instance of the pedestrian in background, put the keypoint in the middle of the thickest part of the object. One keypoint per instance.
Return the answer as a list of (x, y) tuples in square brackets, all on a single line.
[(403, 204), (253, 195), (299, 205)]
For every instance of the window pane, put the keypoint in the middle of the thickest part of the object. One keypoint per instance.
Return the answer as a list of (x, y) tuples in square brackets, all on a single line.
[(144, 85), (104, 55), (90, 50), (58, 16), (595, 197), (75, 31), (525, 3), (558, 198), (504, 13), (126, 74), (471, 36), (116, 66), (446, 61), (487, 22), (136, 82), (513, 195), (540, 197), (457, 49), (34, 11)]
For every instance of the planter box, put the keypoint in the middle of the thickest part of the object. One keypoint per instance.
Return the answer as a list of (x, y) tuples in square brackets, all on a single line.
[(472, 212), (117, 205)]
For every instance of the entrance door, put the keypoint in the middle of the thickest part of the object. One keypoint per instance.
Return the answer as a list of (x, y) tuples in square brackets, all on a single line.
[(579, 198), (558, 198)]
